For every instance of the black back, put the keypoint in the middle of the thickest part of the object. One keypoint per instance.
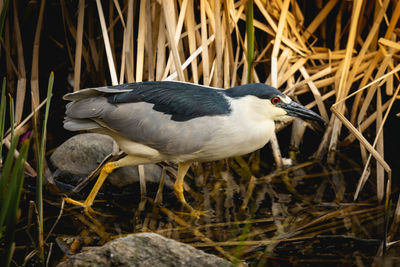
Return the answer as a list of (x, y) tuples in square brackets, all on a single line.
[(185, 101)]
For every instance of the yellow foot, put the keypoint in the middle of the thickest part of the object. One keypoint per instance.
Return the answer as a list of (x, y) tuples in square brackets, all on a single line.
[(195, 213), (86, 208)]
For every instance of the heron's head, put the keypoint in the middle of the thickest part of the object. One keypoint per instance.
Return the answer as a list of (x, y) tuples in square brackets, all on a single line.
[(272, 103)]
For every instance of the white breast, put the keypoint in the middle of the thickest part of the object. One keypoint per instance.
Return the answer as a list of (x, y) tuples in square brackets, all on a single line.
[(245, 130)]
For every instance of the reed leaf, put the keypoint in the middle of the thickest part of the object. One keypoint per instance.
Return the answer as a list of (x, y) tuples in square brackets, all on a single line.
[(40, 168), (3, 17), (11, 181), (2, 117)]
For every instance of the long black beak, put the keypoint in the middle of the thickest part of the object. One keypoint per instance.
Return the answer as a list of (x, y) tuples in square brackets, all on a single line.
[(296, 110)]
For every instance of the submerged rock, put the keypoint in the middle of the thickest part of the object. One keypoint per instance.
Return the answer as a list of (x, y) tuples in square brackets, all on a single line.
[(144, 249)]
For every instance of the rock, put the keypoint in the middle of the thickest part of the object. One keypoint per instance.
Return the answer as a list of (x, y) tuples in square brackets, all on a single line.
[(130, 174), (82, 153), (77, 157), (144, 249)]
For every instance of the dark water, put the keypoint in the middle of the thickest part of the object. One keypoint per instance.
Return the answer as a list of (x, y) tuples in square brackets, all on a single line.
[(301, 215)]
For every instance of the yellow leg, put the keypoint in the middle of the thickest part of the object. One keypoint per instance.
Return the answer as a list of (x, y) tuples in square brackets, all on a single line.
[(178, 189), (105, 171)]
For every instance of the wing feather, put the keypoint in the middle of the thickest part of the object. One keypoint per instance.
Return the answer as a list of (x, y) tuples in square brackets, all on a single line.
[(141, 121)]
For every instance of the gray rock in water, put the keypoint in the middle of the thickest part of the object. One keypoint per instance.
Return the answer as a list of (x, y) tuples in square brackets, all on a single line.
[(82, 153), (130, 174), (144, 249), (77, 157)]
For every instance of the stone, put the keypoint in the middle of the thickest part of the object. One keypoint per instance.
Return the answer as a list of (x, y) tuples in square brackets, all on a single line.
[(130, 174), (77, 157), (82, 153), (146, 250)]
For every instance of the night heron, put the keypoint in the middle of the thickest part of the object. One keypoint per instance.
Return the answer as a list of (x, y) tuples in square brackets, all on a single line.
[(179, 122)]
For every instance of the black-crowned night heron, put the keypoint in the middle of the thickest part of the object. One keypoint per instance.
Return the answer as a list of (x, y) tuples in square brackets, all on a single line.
[(179, 122)]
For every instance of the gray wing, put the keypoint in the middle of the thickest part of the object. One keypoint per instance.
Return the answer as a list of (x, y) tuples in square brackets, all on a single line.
[(184, 101), (92, 92), (140, 123)]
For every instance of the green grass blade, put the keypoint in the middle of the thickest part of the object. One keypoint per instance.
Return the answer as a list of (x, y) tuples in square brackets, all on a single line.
[(2, 114), (6, 184), (3, 17), (9, 158), (39, 180), (15, 189), (14, 142), (7, 167), (8, 180)]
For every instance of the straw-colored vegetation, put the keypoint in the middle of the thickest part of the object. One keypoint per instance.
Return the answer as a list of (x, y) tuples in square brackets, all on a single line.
[(337, 57)]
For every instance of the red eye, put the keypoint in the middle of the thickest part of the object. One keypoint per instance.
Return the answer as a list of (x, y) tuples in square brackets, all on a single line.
[(275, 100)]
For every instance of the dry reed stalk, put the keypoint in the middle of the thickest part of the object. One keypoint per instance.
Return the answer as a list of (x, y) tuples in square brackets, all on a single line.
[(126, 62), (228, 56), (380, 172), (118, 7), (35, 59), (338, 31), (64, 14), (274, 74), (184, 229), (111, 27), (284, 75), (341, 90), (177, 37), (313, 78), (364, 175), (196, 232), (21, 74), (227, 75), (107, 45), (266, 15), (168, 7), (275, 49), (285, 67), (389, 31), (78, 49), (307, 231), (190, 24), (372, 90), (141, 40), (319, 19), (160, 65), (389, 43), (69, 25), (249, 193), (28, 167), (218, 81), (190, 59), (316, 93), (364, 125), (205, 59), (149, 46), (366, 44)]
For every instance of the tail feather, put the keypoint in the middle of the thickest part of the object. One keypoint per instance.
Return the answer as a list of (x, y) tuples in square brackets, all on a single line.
[(93, 92), (71, 124), (87, 108)]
